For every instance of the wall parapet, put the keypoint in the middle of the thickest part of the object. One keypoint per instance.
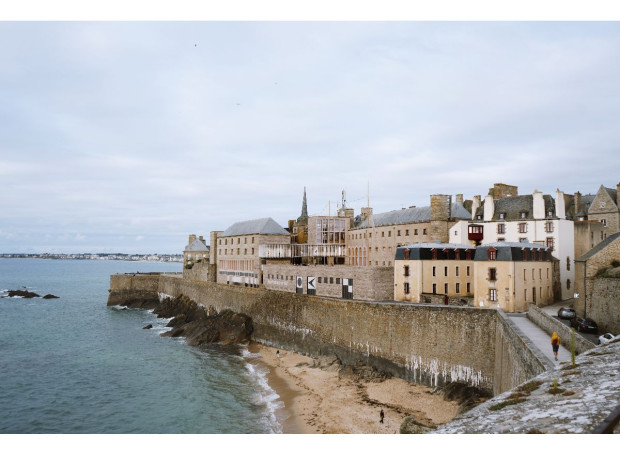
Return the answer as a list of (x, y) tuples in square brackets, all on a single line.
[(550, 325)]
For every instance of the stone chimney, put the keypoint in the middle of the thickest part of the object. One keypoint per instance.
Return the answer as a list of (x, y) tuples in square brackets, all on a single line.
[(475, 205), (202, 239), (441, 212), (578, 204), (560, 205), (501, 191), (539, 205), (192, 238), (366, 212), (489, 208), (458, 199)]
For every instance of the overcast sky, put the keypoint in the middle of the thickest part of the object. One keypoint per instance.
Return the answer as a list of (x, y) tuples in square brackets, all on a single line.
[(129, 136)]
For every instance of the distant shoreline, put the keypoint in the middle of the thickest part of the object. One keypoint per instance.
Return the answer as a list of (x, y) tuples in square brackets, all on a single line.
[(166, 258)]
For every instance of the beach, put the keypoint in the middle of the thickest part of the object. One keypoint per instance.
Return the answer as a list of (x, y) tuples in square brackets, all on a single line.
[(324, 401)]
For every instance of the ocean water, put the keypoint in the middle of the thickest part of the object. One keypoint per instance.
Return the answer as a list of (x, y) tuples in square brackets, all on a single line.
[(74, 365)]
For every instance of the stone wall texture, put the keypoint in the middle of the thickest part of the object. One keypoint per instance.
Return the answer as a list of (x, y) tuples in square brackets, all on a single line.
[(605, 309), (431, 345)]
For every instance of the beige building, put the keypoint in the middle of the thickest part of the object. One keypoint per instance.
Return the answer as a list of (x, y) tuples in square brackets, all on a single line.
[(423, 272), (238, 250), (511, 275), (375, 237)]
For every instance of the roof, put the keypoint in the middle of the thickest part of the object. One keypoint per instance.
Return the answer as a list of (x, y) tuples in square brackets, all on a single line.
[(513, 206), (586, 201), (598, 247), (265, 226), (613, 193), (508, 251), (196, 246), (410, 215), (423, 250)]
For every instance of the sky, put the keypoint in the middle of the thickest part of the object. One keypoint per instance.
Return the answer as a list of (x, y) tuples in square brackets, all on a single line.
[(129, 136)]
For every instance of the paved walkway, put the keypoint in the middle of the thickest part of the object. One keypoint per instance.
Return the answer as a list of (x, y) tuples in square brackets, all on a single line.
[(540, 338)]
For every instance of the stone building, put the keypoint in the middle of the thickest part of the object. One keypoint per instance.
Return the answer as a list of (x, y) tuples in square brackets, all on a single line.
[(238, 250), (432, 272), (604, 208), (196, 251), (597, 284), (373, 240), (511, 275), (536, 218)]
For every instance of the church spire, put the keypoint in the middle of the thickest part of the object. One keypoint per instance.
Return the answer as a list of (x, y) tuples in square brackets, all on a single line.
[(304, 208)]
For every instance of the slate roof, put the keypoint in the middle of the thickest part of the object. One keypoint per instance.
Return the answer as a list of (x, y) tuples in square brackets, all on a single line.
[(613, 193), (586, 201), (507, 251), (513, 206), (409, 215), (598, 247), (416, 251), (196, 246), (265, 226)]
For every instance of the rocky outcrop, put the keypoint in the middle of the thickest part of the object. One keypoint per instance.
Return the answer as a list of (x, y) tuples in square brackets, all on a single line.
[(466, 396), (50, 296), (24, 294), (411, 426), (204, 326)]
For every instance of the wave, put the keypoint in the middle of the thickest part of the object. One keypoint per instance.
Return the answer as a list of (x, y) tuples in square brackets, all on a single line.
[(265, 396)]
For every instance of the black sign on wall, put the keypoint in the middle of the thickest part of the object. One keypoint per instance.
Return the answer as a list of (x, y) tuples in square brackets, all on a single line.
[(347, 288), (311, 285), (299, 285)]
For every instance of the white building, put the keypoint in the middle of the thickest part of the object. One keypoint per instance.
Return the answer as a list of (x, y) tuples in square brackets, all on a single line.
[(536, 218)]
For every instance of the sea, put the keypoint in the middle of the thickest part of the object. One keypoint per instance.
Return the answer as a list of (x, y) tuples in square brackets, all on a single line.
[(74, 365)]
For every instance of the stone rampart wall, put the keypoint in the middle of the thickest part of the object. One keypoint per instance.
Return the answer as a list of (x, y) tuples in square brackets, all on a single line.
[(551, 325), (428, 344), (605, 309), (200, 271), (126, 288)]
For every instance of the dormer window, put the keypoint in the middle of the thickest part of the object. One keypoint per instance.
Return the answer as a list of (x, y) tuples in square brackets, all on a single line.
[(434, 252), (492, 254), (550, 214), (502, 216), (523, 215), (479, 217)]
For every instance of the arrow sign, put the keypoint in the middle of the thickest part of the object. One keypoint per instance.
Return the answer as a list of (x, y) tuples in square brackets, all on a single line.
[(311, 282)]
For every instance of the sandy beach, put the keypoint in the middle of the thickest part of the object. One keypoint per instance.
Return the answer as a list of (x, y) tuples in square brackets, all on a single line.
[(322, 401)]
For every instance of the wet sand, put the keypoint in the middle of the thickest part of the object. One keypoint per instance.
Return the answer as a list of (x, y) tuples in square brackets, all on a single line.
[(321, 401)]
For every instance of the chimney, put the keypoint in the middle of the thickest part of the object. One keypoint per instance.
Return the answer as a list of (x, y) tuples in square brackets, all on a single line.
[(539, 205), (366, 212), (489, 208), (475, 205), (192, 238), (578, 206), (458, 199), (560, 205), (202, 239)]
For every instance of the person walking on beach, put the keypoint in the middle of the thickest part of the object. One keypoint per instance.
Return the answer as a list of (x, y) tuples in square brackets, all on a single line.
[(555, 343), (278, 353), (381, 414)]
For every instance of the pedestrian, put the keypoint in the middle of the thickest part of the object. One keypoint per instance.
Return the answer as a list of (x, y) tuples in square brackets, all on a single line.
[(381, 414), (278, 353), (555, 343)]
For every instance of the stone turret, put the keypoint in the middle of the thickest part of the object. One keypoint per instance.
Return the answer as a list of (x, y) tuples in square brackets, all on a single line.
[(304, 210)]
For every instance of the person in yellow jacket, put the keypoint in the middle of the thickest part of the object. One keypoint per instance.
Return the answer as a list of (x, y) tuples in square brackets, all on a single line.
[(555, 343)]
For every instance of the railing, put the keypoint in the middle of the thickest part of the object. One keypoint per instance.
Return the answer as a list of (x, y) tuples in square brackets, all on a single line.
[(275, 251)]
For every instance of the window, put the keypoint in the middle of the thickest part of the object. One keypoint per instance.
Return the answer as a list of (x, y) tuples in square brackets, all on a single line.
[(433, 271), (382, 233), (458, 288), (424, 231), (502, 216), (434, 288), (492, 254), (549, 213), (406, 271), (406, 288), (445, 271), (468, 288), (532, 273), (320, 281), (467, 271), (457, 270), (492, 274), (415, 232), (522, 228), (549, 227), (568, 263), (550, 242), (406, 232), (389, 233), (568, 284), (479, 217), (445, 288), (331, 280), (523, 215), (245, 240), (398, 232), (604, 221), (493, 295), (337, 280), (540, 273), (501, 228), (524, 275)]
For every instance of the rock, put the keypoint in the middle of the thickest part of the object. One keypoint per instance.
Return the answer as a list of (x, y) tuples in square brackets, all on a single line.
[(411, 426), (50, 296), (149, 326), (204, 326), (24, 294), (467, 396), (359, 371)]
